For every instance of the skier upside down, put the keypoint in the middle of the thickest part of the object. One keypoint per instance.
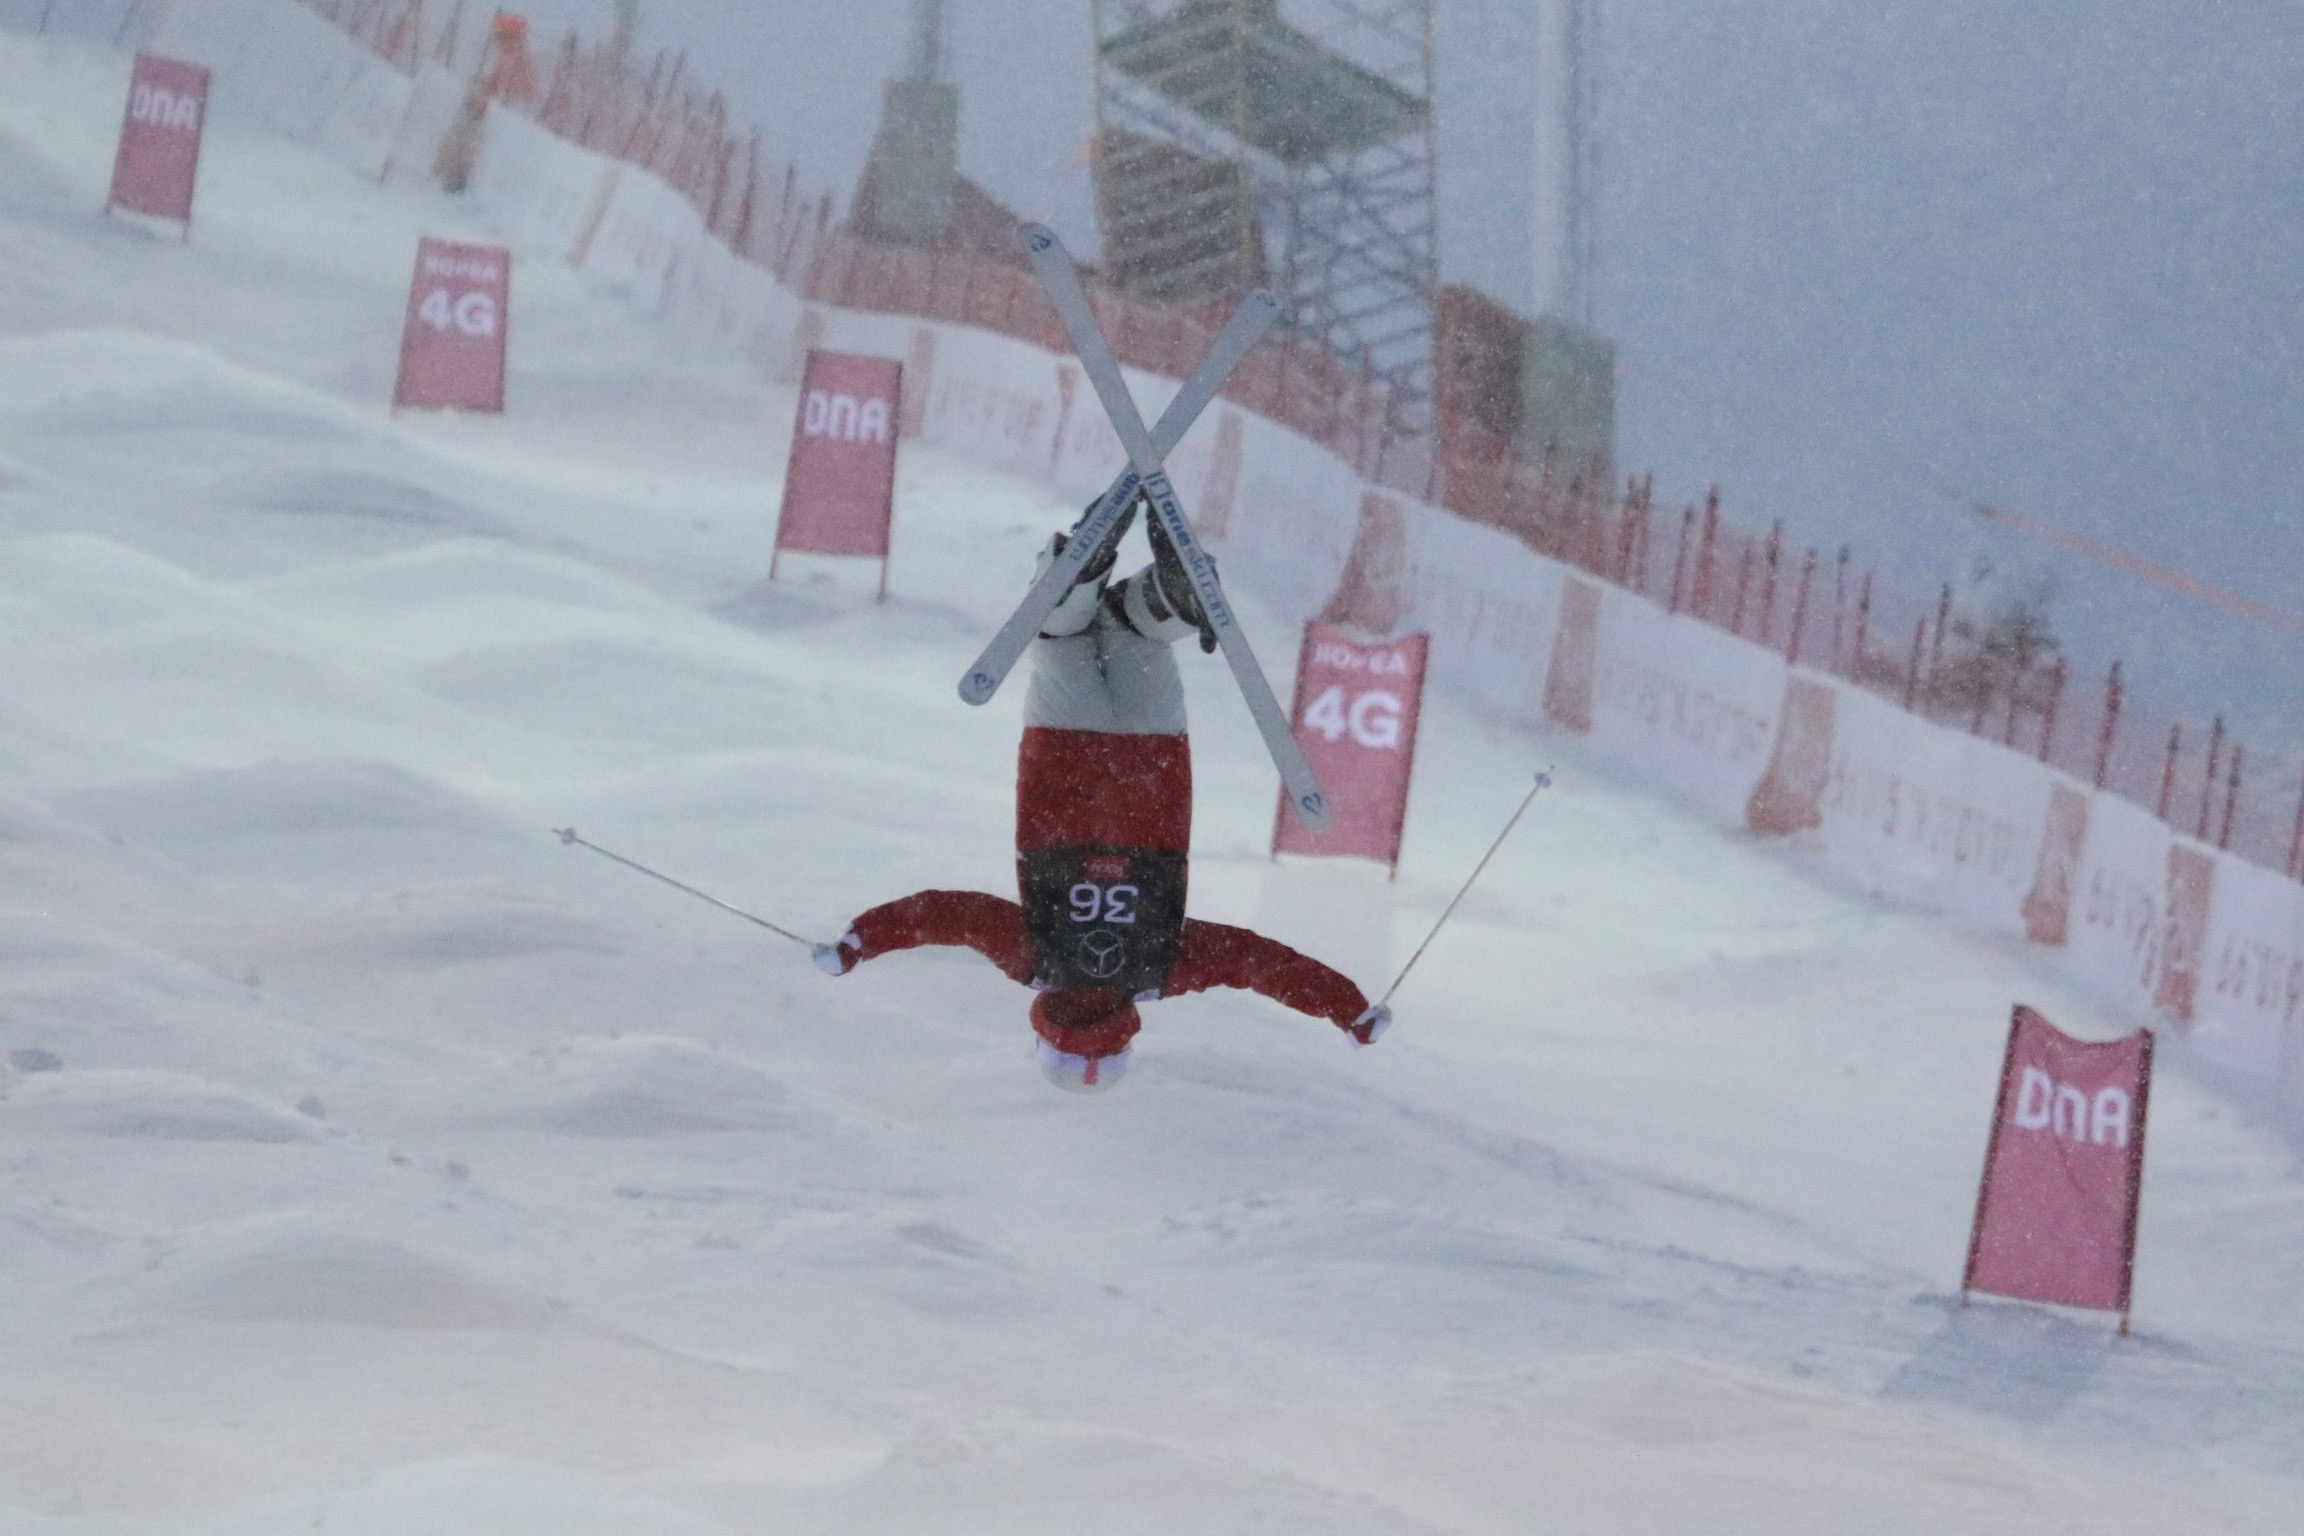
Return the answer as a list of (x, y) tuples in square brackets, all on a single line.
[(1103, 828)]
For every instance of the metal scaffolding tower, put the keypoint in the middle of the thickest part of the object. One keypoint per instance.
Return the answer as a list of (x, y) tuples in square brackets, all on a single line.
[(1281, 142)]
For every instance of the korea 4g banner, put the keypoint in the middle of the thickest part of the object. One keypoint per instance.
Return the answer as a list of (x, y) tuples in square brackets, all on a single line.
[(1355, 715), (452, 343), (840, 486), (159, 155), (2056, 1212)]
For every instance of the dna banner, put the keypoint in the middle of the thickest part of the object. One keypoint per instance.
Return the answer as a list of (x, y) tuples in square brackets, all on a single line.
[(2056, 1211), (840, 484), (159, 156)]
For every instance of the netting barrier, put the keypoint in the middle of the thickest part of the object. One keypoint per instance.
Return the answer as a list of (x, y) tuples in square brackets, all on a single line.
[(1823, 610)]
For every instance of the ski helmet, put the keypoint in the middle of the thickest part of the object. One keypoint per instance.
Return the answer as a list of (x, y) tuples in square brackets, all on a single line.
[(1075, 1073), (1084, 1034)]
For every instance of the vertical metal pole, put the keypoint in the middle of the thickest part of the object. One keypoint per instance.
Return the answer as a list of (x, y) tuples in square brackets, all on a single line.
[(1800, 609), (2111, 728), (1558, 153), (1912, 672), (2296, 837), (2055, 702), (1680, 558), (2208, 779), (1700, 598), (2168, 771), (1625, 532), (1839, 606), (2232, 794), (1863, 629), (1775, 558)]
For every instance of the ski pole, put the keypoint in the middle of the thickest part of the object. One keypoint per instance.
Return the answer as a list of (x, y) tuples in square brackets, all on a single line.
[(568, 836), (1543, 782)]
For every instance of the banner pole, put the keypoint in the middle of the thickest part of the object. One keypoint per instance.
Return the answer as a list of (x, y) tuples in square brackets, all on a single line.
[(2136, 1181)]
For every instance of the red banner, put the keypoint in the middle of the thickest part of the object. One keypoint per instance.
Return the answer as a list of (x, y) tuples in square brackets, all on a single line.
[(840, 486), (1355, 714), (2056, 1213), (159, 155), (452, 342)]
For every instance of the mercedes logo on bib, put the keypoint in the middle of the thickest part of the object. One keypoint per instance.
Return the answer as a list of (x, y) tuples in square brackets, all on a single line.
[(1101, 952)]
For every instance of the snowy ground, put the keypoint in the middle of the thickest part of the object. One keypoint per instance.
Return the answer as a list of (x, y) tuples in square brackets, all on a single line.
[(406, 1172)]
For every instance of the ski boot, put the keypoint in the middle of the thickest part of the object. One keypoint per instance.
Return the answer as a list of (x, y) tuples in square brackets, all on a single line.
[(1163, 592), (1077, 610)]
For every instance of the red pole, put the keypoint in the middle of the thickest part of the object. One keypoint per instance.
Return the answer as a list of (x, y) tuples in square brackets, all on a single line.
[(2232, 794), (2055, 701), (2168, 771), (1800, 609), (2111, 728), (2296, 838), (2208, 779), (1700, 598), (1768, 585), (1839, 604), (1647, 538), (1625, 532), (1680, 558), (1863, 628)]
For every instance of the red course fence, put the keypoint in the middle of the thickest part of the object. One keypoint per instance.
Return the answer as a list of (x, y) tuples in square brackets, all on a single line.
[(1823, 610)]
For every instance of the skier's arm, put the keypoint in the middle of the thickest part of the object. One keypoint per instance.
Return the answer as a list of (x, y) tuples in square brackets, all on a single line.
[(1217, 955), (989, 925)]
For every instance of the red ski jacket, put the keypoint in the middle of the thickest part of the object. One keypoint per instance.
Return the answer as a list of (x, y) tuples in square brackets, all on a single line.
[(1209, 954)]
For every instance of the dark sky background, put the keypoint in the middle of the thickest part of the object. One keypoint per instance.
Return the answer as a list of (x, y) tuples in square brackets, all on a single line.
[(2048, 255)]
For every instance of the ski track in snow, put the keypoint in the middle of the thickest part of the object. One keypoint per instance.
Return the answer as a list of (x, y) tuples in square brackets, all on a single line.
[(407, 1172)]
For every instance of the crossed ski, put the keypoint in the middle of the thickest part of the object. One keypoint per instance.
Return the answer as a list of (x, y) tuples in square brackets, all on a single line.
[(1145, 471), (1247, 325)]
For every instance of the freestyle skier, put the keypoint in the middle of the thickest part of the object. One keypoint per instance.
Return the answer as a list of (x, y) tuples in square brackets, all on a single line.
[(1103, 824)]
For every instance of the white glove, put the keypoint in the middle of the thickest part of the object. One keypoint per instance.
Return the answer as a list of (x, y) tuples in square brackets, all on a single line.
[(837, 959), (1370, 1026)]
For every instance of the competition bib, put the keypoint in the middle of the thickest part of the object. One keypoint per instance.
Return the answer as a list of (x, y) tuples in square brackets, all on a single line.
[(1103, 917)]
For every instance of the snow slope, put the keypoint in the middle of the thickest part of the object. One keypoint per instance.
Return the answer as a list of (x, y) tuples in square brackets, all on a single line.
[(404, 1171)]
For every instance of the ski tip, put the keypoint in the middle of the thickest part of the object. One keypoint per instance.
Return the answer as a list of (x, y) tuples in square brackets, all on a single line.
[(1038, 238), (567, 836), (1312, 810), (978, 688), (1266, 300)]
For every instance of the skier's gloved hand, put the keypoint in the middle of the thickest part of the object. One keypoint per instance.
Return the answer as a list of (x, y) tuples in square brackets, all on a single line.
[(1370, 1026), (838, 959)]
